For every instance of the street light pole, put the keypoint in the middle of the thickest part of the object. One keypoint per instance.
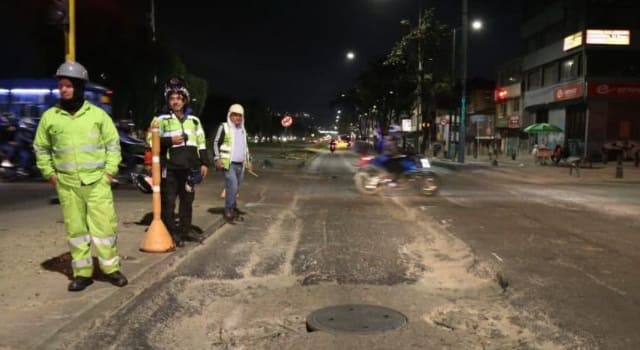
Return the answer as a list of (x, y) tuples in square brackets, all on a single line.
[(463, 98), (453, 84)]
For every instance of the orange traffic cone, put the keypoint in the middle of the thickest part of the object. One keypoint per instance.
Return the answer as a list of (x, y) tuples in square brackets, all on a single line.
[(157, 239)]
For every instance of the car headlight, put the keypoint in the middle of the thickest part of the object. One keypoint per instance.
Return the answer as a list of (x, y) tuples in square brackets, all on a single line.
[(425, 163)]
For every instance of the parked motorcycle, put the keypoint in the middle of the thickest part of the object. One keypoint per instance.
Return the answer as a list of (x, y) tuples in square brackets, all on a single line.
[(374, 175), (18, 160)]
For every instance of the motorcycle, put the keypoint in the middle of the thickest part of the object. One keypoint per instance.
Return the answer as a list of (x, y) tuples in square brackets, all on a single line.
[(374, 174)]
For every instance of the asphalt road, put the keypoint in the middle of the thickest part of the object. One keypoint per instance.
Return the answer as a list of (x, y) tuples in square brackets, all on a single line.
[(488, 263)]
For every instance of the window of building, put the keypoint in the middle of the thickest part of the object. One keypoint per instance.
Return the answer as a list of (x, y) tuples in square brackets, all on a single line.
[(550, 74), (613, 63), (515, 105), (533, 79), (570, 68)]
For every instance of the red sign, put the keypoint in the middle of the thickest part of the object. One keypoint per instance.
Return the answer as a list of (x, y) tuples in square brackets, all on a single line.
[(286, 121), (444, 121), (500, 94), (514, 121), (567, 92), (611, 89)]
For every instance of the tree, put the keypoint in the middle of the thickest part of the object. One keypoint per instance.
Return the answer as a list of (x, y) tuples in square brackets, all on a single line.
[(423, 55)]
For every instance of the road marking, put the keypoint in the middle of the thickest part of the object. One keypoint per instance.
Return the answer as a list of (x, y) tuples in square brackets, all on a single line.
[(497, 257)]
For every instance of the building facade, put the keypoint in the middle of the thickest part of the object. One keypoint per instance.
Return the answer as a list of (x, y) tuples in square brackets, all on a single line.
[(581, 72)]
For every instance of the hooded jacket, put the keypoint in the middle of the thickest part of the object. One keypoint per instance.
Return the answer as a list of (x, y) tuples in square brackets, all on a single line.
[(224, 141)]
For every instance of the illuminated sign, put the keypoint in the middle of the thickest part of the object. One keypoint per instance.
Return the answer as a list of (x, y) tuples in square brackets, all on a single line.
[(567, 92), (608, 37), (573, 40), (406, 125), (500, 94), (614, 89)]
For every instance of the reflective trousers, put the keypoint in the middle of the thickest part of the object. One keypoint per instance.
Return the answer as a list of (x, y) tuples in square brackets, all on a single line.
[(90, 217)]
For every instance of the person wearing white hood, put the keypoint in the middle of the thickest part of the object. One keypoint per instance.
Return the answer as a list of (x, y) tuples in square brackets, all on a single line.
[(231, 154)]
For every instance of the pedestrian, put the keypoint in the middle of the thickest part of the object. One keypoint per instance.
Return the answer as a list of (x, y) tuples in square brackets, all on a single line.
[(78, 151), (183, 159), (231, 154)]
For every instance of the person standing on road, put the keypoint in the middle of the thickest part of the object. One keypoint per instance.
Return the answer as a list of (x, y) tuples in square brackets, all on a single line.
[(183, 159), (231, 154), (78, 150)]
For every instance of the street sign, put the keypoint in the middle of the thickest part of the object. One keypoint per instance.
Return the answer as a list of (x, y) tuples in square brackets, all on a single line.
[(286, 121)]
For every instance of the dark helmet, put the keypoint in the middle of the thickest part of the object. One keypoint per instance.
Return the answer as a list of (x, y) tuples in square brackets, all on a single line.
[(142, 182), (174, 85)]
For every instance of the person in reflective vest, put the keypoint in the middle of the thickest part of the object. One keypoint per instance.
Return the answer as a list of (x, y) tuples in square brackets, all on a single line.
[(183, 159), (78, 150), (231, 154)]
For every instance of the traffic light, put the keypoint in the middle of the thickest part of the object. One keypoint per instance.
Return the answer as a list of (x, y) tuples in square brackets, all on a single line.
[(58, 12)]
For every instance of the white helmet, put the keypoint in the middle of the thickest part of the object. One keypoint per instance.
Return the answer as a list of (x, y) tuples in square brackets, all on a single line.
[(236, 108), (72, 70)]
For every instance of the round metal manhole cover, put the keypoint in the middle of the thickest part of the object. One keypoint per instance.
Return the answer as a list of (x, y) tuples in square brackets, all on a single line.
[(355, 319)]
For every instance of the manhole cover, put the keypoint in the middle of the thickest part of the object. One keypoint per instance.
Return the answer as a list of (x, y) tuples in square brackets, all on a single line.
[(355, 319)]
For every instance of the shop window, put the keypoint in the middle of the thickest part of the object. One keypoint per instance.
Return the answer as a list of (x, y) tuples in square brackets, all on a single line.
[(624, 132)]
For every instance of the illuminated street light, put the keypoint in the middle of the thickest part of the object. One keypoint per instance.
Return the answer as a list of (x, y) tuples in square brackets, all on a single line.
[(476, 24), (351, 55)]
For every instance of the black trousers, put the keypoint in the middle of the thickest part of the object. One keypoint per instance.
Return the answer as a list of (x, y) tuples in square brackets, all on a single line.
[(171, 188)]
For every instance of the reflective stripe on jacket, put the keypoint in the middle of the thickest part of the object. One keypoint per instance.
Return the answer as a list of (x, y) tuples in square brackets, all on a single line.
[(78, 149), (222, 150), (189, 154)]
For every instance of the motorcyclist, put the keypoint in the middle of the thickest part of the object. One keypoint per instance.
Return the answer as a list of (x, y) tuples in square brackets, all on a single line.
[(183, 159), (389, 153)]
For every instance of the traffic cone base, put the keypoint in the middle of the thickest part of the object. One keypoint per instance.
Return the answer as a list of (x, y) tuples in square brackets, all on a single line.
[(157, 239)]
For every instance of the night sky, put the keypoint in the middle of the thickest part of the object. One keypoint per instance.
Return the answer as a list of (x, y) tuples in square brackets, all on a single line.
[(291, 54)]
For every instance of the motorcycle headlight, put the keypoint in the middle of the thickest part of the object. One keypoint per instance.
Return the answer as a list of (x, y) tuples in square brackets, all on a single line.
[(425, 163)]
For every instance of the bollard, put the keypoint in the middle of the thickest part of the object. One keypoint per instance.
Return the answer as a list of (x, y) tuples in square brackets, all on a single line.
[(157, 239), (619, 173)]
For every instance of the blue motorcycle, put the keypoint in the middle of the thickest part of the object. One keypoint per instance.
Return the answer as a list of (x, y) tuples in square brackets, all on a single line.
[(377, 173)]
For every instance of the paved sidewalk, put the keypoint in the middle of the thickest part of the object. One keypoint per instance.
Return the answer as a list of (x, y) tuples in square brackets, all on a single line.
[(526, 170)]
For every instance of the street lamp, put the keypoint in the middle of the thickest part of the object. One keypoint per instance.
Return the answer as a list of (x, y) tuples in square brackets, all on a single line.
[(351, 55), (476, 25)]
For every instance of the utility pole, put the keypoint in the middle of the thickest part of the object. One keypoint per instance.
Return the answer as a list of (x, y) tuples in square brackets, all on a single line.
[(463, 99), (420, 77), (70, 34), (452, 111)]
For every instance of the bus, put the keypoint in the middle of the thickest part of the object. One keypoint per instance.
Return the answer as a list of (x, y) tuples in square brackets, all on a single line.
[(31, 97)]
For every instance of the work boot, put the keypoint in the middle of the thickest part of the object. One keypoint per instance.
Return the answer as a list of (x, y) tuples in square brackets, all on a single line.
[(79, 283), (237, 211), (178, 241), (191, 236), (117, 279), (229, 215)]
